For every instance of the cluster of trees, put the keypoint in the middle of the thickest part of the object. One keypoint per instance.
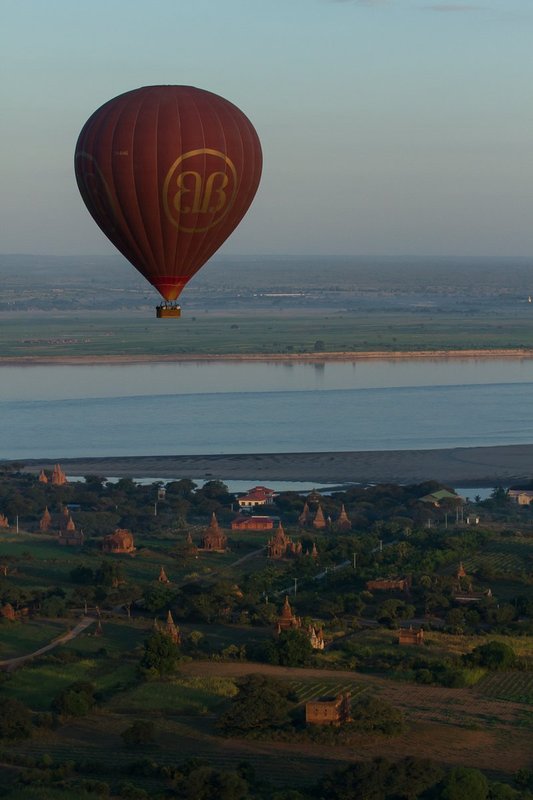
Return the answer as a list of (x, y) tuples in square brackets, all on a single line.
[(160, 656), (409, 779), (103, 505), (413, 779), (262, 704), (128, 504), (453, 671)]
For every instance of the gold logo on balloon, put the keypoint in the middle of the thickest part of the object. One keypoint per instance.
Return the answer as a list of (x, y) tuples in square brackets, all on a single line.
[(199, 190)]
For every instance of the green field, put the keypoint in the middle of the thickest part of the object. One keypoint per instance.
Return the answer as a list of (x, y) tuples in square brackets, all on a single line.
[(139, 333), (176, 696), (25, 636), (312, 690), (38, 561), (514, 686)]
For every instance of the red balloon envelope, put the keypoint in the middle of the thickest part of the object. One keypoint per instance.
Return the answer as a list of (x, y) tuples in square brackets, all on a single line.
[(168, 172)]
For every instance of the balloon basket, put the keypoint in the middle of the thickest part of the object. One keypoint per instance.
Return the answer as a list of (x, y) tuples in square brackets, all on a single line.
[(165, 311)]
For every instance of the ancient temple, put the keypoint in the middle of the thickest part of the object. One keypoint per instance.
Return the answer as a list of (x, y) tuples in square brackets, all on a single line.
[(287, 620), (190, 547), (329, 710), (282, 546), (45, 521), (8, 612), (68, 535), (313, 552), (42, 477), (316, 637), (319, 521), (305, 517), (388, 585), (58, 476), (410, 636), (73, 538), (213, 539), (244, 522), (471, 597), (461, 572), (119, 542), (343, 523), (163, 577), (4, 523), (171, 629)]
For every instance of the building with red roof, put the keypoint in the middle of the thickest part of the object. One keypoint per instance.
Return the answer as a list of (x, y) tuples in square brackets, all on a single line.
[(258, 496)]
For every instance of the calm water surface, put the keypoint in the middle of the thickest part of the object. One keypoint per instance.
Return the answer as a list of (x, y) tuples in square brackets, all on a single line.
[(202, 407)]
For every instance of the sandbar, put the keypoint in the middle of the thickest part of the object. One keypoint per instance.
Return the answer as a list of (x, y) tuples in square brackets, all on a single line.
[(312, 358), (460, 466)]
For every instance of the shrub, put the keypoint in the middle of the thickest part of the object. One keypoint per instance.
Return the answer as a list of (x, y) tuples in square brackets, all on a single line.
[(75, 700), (493, 655), (141, 732), (15, 720)]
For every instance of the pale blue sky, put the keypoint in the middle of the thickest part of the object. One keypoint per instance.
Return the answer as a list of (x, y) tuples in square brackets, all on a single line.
[(388, 126)]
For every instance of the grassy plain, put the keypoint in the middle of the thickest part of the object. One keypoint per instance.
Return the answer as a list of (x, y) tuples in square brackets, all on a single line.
[(24, 637), (136, 333)]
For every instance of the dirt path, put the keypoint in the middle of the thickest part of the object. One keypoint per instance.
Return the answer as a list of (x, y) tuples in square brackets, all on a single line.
[(12, 663)]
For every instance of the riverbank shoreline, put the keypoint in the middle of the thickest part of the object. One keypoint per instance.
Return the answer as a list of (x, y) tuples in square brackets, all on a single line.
[(303, 358), (461, 466)]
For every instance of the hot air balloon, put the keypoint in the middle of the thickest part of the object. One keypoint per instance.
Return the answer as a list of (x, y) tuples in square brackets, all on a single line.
[(168, 172)]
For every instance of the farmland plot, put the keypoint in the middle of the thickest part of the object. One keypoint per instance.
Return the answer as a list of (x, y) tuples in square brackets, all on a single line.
[(306, 691), (514, 686)]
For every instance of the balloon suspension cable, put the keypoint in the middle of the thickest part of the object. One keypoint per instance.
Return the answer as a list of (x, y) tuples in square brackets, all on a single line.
[(167, 309)]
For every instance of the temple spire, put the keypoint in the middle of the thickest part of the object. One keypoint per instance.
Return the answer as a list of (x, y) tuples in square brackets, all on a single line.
[(319, 521)]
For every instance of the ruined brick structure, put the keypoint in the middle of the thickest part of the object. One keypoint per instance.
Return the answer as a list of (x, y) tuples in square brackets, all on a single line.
[(329, 710), (388, 585), (254, 523), (410, 636), (119, 542)]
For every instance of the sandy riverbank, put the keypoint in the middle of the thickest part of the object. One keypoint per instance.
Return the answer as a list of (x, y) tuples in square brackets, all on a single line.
[(73, 360), (461, 466)]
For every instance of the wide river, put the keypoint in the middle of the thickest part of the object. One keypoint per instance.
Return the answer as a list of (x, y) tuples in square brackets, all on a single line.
[(226, 407)]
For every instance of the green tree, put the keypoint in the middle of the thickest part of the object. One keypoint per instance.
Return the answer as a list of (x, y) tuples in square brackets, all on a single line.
[(160, 654), (140, 732), (261, 703), (493, 655), (15, 720), (75, 700), (82, 575), (502, 791), (293, 648), (206, 783), (157, 596), (463, 783)]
